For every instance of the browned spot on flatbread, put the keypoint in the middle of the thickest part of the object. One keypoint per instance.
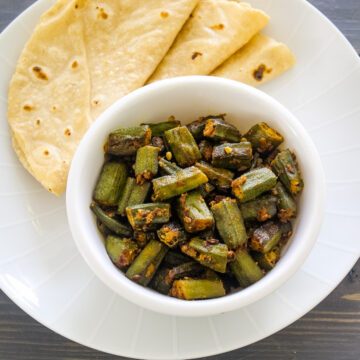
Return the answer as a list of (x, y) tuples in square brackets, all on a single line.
[(258, 73), (164, 14), (28, 107), (217, 27), (39, 73), (195, 55), (74, 64)]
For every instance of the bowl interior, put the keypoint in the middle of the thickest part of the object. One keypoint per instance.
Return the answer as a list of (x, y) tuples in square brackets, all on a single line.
[(187, 99)]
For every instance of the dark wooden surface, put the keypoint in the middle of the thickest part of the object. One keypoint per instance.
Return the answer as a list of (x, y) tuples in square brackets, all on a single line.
[(331, 331)]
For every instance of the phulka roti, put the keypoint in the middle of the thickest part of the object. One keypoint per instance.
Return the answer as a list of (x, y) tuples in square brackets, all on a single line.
[(215, 30), (83, 56), (259, 61)]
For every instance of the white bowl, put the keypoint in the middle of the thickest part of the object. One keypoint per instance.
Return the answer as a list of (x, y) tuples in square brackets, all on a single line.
[(188, 98)]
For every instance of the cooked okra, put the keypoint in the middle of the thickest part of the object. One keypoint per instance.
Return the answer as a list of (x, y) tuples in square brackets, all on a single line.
[(148, 216), (253, 183), (261, 209), (229, 223), (263, 138), (194, 213), (158, 129), (236, 156), (183, 146), (169, 186), (111, 183), (221, 206), (126, 141), (285, 168)]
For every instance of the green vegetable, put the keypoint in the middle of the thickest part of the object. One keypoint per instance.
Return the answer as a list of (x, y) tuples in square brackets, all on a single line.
[(142, 238), (213, 256), (133, 194), (236, 156), (146, 164), (206, 189), (126, 141), (219, 130), (263, 138), (260, 209), (183, 146), (146, 216), (218, 177), (245, 269), (175, 258), (145, 265), (284, 166), (193, 289), (253, 183), (110, 183), (268, 260), (194, 213), (158, 129), (286, 204), (265, 237), (167, 167), (206, 149), (184, 180), (172, 234), (196, 128), (110, 223), (229, 223), (121, 251)]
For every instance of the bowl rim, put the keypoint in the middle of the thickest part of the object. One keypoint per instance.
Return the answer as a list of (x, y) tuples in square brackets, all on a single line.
[(164, 304)]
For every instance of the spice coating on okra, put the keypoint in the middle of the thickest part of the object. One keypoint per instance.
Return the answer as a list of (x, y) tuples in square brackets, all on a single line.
[(164, 204)]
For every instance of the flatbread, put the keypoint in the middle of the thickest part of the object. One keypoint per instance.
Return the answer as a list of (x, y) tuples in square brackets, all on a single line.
[(48, 101), (82, 57), (259, 61), (215, 30)]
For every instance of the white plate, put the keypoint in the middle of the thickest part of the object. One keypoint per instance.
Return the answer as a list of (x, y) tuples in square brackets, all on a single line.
[(43, 273)]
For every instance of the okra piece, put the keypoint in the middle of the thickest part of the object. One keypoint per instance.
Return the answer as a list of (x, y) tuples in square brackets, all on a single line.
[(268, 260), (229, 223), (158, 141), (146, 216), (260, 209), (253, 183), (110, 183), (164, 278), (236, 156), (219, 130), (187, 179), (104, 231), (168, 167), (121, 251), (206, 189), (263, 138), (245, 269), (158, 129), (286, 204), (172, 234), (196, 289), (142, 238), (254, 162), (146, 164), (265, 237), (284, 166), (126, 141), (147, 262), (111, 223), (196, 128), (133, 194), (194, 213), (206, 149), (183, 146), (213, 256), (219, 177), (174, 258)]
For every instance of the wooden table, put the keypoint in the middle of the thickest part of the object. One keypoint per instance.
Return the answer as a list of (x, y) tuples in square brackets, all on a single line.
[(331, 331)]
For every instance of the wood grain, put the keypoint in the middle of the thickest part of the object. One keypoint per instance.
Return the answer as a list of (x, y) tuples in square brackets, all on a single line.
[(331, 331)]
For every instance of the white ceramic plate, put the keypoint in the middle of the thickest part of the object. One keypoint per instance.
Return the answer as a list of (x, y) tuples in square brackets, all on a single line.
[(42, 271)]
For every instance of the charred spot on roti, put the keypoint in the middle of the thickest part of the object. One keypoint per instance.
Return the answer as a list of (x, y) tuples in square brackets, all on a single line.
[(164, 14), (76, 6), (54, 107), (258, 73), (74, 65), (39, 73), (102, 14), (46, 152), (96, 101), (67, 132), (218, 27), (28, 107), (38, 122), (195, 55)]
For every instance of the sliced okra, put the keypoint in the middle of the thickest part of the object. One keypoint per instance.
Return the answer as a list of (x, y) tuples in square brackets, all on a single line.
[(221, 178), (146, 164), (172, 234), (220, 130), (158, 129), (206, 149), (266, 237), (268, 260), (286, 204), (261, 209), (235, 156), (121, 251)]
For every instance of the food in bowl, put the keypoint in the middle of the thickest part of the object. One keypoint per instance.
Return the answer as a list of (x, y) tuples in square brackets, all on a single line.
[(196, 211)]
